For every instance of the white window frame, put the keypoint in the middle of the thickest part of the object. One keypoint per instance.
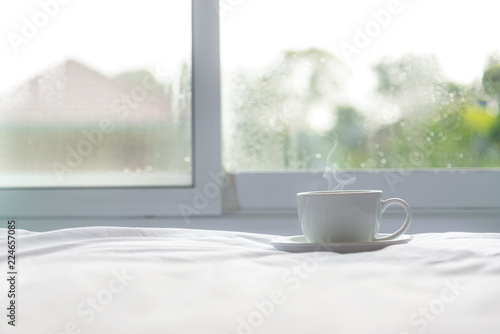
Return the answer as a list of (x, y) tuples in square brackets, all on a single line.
[(438, 190), (432, 192)]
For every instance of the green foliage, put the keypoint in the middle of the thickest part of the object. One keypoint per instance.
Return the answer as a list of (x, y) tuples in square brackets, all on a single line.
[(162, 146), (491, 81), (136, 78), (441, 125), (270, 111)]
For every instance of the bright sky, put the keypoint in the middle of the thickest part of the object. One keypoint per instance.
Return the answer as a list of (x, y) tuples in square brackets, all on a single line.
[(112, 36), (461, 33)]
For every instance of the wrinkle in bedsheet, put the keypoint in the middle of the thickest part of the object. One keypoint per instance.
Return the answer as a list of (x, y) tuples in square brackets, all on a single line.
[(138, 280)]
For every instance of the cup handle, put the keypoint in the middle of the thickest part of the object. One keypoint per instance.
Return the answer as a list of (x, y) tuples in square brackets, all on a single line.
[(397, 201)]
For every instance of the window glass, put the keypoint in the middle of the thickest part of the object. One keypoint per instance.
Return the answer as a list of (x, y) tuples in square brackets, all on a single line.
[(318, 84), (95, 93)]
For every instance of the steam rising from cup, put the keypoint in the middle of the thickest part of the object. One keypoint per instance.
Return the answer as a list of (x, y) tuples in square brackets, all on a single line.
[(336, 180)]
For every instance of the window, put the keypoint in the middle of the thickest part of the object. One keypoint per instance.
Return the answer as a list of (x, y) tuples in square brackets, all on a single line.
[(323, 95), (364, 85), (270, 158), (159, 42), (100, 104)]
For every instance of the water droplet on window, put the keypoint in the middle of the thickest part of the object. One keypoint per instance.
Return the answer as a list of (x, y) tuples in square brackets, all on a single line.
[(492, 112), (381, 154), (383, 161), (138, 170), (460, 155), (362, 165), (149, 168), (126, 171), (448, 165), (187, 159), (428, 138), (317, 155)]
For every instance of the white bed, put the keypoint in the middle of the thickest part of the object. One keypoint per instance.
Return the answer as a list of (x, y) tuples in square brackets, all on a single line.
[(137, 280)]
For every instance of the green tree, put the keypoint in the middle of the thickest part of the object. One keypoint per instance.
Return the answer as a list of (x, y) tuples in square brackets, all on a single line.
[(443, 124), (270, 110), (435, 127), (491, 85)]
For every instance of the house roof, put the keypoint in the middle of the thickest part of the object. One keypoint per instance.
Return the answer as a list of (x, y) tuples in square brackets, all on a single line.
[(73, 93)]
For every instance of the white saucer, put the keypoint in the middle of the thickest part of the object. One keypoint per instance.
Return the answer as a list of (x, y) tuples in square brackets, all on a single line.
[(299, 243)]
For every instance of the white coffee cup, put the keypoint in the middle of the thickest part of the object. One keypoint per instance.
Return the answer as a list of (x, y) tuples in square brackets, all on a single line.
[(346, 216)]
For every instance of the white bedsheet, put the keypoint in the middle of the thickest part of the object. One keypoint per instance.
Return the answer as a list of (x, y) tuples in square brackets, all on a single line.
[(136, 280)]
